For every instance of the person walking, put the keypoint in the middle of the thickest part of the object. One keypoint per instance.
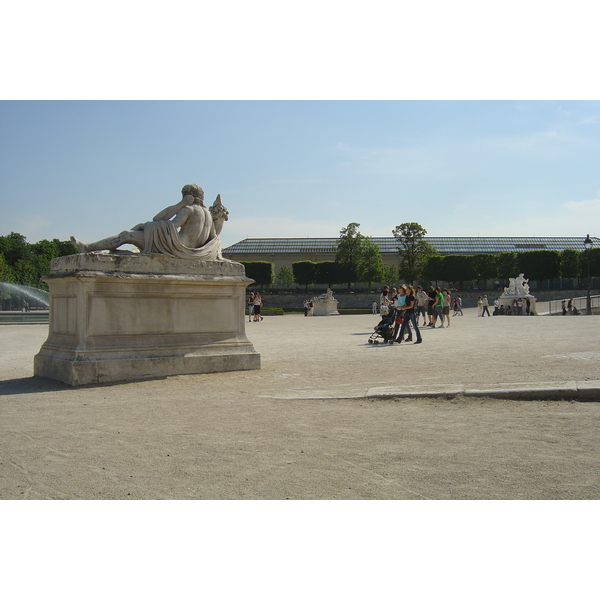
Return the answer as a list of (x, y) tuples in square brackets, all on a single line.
[(384, 301), (250, 306), (422, 302), (257, 306), (460, 310), (438, 307), (430, 305), (485, 307), (446, 306), (399, 306), (409, 317)]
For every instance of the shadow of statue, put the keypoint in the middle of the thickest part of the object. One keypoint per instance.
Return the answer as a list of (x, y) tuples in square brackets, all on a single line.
[(31, 385)]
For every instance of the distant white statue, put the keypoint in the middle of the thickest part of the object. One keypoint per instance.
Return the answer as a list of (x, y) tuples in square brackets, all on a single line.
[(517, 286), (185, 230), (522, 285)]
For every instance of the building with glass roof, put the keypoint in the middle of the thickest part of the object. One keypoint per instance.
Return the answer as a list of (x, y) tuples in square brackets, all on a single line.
[(285, 251)]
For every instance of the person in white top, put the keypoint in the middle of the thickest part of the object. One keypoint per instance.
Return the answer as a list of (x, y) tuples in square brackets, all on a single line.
[(485, 307)]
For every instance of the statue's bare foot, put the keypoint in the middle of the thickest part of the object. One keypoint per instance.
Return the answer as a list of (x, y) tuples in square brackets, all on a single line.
[(79, 245)]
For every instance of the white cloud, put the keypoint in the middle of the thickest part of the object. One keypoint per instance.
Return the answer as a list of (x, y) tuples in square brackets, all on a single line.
[(585, 210), (572, 218), (443, 159)]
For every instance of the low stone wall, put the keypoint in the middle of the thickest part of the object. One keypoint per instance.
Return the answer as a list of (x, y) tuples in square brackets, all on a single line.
[(293, 301)]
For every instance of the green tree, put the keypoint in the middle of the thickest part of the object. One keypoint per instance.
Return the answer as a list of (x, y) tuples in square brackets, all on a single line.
[(594, 258), (457, 268), (371, 266), (508, 265), (350, 249), (484, 267), (538, 265), (433, 268), (6, 273), (284, 276), (26, 263), (26, 273), (327, 272), (570, 264), (261, 271), (389, 275), (414, 251), (14, 248), (64, 248), (304, 272)]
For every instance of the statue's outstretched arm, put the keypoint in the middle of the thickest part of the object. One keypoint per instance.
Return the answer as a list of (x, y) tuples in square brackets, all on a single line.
[(170, 211), (181, 217)]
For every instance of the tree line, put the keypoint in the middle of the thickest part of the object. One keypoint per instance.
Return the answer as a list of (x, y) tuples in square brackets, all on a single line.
[(25, 264), (357, 260)]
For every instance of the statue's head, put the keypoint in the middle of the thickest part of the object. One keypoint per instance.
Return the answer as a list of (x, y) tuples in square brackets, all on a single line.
[(193, 189)]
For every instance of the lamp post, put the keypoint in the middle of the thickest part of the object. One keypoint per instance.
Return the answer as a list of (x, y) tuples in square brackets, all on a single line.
[(588, 246)]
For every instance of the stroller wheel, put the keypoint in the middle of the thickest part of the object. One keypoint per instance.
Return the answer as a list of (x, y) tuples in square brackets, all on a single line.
[(370, 341), (376, 341)]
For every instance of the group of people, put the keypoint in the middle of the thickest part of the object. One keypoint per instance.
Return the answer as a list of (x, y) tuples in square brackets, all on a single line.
[(404, 302), (518, 306), (308, 308), (410, 303), (570, 308), (254, 304)]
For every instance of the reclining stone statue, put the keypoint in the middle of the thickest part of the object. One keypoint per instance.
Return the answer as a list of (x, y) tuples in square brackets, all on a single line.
[(185, 230)]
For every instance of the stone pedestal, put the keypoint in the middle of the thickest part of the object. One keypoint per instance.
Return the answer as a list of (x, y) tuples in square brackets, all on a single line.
[(324, 308), (508, 299), (123, 317), (325, 305)]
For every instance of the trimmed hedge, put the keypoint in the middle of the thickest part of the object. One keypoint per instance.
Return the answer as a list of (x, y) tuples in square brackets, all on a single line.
[(270, 311)]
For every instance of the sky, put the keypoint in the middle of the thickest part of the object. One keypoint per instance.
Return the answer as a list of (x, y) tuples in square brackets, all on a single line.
[(303, 168)]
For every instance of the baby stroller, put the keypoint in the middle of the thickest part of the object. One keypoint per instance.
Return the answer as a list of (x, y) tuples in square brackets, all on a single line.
[(385, 329)]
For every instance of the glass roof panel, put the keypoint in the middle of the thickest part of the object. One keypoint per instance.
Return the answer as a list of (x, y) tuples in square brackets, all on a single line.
[(444, 245)]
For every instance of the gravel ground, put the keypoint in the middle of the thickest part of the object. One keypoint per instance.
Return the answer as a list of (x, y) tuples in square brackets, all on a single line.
[(303, 426)]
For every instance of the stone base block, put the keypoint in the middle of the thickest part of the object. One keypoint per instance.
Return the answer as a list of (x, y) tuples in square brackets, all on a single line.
[(507, 300), (324, 308), (130, 317), (77, 373)]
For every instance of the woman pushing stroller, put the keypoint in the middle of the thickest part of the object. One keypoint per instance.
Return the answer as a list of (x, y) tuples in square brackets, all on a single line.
[(408, 316)]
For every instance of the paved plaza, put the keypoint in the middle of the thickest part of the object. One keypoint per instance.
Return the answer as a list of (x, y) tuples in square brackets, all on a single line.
[(489, 408)]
